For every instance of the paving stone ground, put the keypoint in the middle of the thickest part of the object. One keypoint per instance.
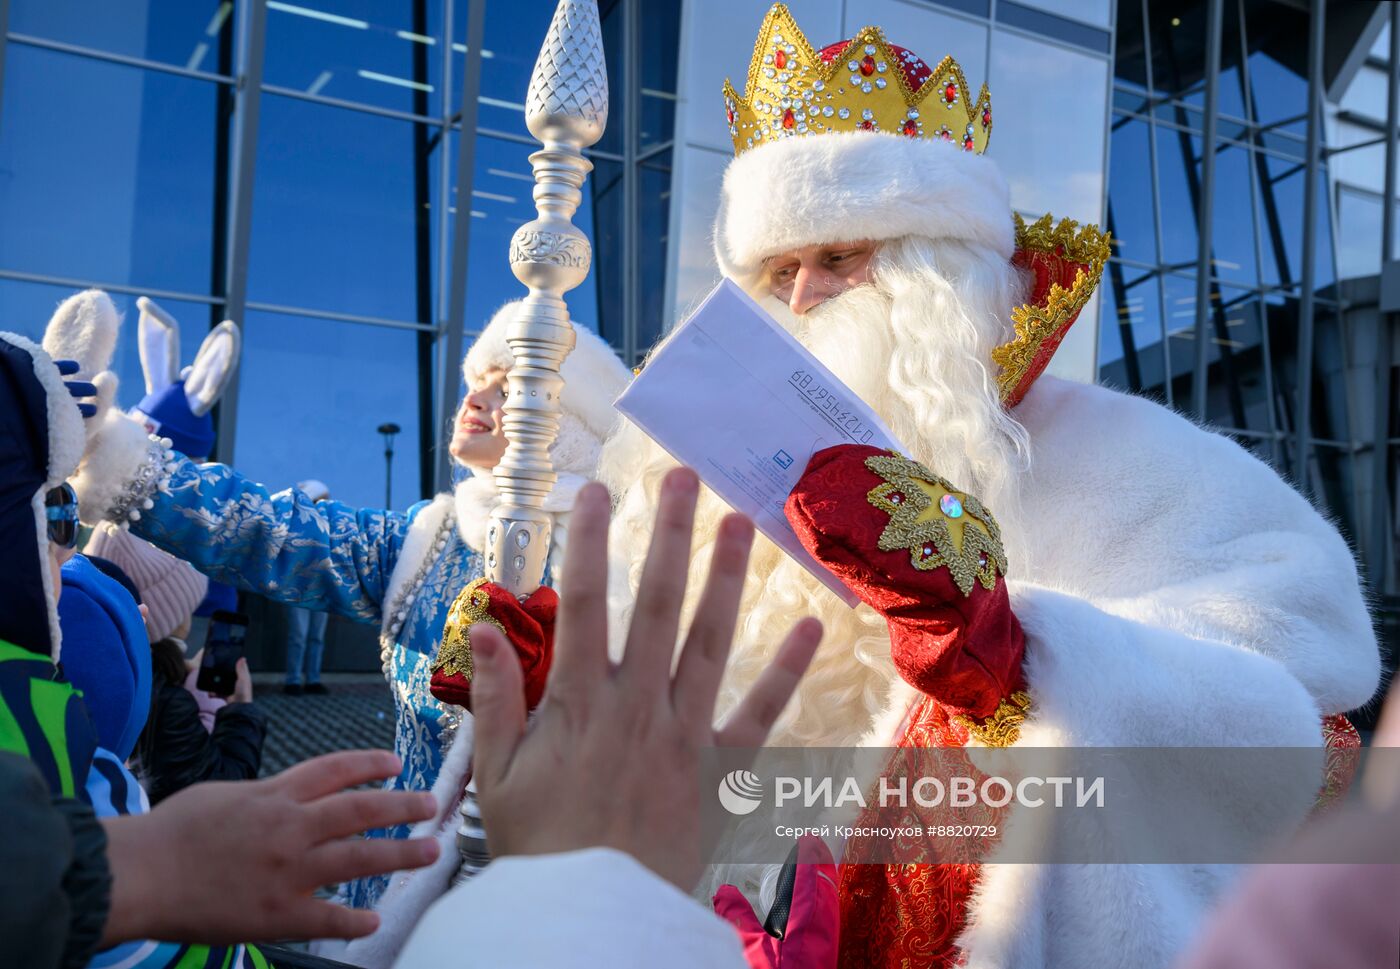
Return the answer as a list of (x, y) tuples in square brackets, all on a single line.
[(357, 713)]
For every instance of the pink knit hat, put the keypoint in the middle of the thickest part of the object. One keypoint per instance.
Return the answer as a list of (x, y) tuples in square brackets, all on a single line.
[(170, 588)]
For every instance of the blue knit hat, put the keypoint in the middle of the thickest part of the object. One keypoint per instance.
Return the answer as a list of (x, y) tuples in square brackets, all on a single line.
[(168, 414), (106, 653), (177, 401)]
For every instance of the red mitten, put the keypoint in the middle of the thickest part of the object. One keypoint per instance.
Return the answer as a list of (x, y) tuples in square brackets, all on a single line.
[(927, 557), (810, 936), (529, 625)]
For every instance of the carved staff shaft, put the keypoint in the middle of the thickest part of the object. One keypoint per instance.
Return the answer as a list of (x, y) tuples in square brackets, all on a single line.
[(566, 108)]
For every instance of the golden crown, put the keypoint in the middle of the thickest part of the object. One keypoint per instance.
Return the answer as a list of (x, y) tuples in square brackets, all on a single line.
[(865, 83)]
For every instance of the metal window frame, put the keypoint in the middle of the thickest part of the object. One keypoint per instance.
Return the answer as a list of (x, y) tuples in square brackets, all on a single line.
[(1205, 206), (4, 46), (1255, 200), (126, 289), (1251, 129), (1381, 546), (452, 325), (631, 128), (448, 326), (250, 47), (1205, 279), (291, 92), (111, 57), (1302, 456), (75, 282), (1156, 181), (337, 316)]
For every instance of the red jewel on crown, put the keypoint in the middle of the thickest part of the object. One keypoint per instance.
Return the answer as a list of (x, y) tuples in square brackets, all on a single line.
[(911, 128), (780, 59), (986, 117), (950, 93), (789, 122), (968, 143), (729, 113), (867, 65)]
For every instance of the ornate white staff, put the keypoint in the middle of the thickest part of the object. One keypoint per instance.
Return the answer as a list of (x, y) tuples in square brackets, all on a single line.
[(566, 108)]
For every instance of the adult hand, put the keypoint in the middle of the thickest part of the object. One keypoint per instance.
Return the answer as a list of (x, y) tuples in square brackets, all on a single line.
[(623, 741), (243, 684), (238, 861)]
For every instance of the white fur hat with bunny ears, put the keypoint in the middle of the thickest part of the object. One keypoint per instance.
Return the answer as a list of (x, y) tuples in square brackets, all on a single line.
[(593, 375), (85, 328), (177, 402)]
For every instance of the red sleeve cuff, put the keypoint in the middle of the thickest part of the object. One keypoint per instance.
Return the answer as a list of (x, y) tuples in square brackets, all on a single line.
[(925, 555)]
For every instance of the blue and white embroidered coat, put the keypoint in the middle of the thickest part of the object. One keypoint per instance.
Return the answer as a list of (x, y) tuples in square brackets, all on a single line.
[(398, 570)]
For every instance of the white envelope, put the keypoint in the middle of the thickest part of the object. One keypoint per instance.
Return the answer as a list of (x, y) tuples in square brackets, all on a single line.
[(735, 397)]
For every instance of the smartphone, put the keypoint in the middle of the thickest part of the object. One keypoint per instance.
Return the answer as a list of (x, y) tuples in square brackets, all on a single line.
[(223, 649)]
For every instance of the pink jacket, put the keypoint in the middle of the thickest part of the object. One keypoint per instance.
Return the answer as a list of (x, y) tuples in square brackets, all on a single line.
[(209, 704)]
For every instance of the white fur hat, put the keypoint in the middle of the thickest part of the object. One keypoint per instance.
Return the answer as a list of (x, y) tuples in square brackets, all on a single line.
[(594, 377), (842, 186)]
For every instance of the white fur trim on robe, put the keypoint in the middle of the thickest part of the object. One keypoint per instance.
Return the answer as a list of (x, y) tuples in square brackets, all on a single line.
[(1101, 680), (411, 892), (579, 910), (1175, 592), (417, 548), (471, 503), (476, 498), (1136, 509)]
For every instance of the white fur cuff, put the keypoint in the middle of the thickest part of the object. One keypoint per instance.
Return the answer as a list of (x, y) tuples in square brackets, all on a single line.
[(123, 468)]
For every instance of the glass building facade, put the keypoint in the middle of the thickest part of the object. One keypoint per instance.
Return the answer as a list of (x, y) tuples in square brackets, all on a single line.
[(1242, 286), (1048, 65), (302, 168), (342, 178)]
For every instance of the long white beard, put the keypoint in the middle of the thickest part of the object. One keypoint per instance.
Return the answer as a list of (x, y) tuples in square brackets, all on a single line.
[(915, 345)]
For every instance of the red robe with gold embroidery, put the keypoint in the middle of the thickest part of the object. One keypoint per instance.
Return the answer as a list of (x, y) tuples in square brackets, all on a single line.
[(929, 558)]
